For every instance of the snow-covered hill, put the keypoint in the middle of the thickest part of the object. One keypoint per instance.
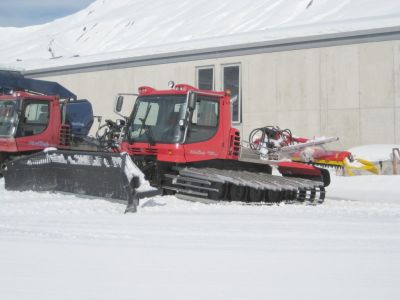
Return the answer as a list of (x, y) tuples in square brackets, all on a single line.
[(120, 28)]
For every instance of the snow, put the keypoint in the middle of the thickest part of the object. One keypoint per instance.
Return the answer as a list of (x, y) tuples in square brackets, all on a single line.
[(56, 246), (65, 247), (133, 28), (374, 153), (372, 189), (131, 171)]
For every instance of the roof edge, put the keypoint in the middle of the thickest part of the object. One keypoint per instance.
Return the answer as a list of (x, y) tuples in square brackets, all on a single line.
[(285, 44)]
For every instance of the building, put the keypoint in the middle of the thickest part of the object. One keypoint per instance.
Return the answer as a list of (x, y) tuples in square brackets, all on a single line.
[(346, 84)]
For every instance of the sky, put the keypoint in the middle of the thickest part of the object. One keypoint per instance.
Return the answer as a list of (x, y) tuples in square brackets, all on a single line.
[(21, 13)]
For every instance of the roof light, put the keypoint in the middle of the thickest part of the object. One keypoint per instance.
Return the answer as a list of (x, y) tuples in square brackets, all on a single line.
[(171, 84), (142, 90), (146, 90), (184, 87)]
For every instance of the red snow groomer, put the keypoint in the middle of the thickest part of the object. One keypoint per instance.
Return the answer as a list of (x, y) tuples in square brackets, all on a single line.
[(183, 141), (275, 144), (37, 115)]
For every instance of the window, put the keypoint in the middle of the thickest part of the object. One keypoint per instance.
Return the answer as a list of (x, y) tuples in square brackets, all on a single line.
[(205, 78), (35, 118), (147, 111), (8, 117), (231, 81), (204, 121), (156, 119), (37, 113)]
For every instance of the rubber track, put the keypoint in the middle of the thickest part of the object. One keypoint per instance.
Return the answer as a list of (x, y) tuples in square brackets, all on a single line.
[(200, 182)]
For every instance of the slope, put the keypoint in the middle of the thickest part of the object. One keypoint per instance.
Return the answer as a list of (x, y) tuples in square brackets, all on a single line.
[(114, 29)]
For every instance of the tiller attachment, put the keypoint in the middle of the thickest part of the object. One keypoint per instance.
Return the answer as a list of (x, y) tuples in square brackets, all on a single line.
[(98, 174), (275, 144)]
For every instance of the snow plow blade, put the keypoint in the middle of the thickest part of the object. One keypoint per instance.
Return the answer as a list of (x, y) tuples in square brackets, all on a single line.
[(98, 174)]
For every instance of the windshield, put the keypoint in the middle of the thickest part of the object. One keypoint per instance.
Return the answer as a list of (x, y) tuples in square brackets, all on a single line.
[(155, 119), (8, 117)]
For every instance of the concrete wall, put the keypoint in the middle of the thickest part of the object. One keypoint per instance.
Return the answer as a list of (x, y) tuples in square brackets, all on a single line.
[(352, 91)]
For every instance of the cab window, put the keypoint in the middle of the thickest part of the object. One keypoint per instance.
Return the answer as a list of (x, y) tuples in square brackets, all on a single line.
[(34, 118), (205, 118)]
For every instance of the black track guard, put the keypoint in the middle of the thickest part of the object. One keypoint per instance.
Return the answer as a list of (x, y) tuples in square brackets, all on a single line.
[(98, 174)]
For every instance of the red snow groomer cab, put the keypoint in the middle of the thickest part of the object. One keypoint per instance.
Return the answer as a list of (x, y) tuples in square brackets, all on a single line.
[(38, 114)]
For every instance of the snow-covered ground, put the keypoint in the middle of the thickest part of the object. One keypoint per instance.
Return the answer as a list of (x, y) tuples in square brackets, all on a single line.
[(132, 28), (64, 247)]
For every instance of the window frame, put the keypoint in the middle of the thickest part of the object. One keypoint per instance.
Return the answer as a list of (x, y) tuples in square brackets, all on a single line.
[(28, 124), (151, 99), (214, 128), (223, 66), (199, 68)]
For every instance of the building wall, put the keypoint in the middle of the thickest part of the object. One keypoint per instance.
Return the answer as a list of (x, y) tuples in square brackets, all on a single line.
[(350, 91)]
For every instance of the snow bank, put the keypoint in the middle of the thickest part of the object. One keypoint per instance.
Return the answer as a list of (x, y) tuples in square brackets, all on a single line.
[(131, 171), (374, 189), (374, 153)]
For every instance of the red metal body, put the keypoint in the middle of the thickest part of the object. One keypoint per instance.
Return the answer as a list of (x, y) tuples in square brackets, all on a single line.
[(294, 168), (333, 155), (49, 137), (223, 145), (326, 157)]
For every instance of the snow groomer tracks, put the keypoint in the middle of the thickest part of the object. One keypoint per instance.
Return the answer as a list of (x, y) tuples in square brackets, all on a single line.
[(203, 184)]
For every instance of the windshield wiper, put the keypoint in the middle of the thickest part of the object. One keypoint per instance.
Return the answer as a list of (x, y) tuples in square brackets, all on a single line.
[(143, 126), (150, 136)]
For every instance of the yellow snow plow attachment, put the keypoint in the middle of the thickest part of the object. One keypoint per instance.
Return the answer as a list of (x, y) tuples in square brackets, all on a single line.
[(359, 165)]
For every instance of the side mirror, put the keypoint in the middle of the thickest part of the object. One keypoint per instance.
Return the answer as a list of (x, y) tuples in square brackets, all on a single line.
[(120, 122), (192, 101), (119, 104)]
